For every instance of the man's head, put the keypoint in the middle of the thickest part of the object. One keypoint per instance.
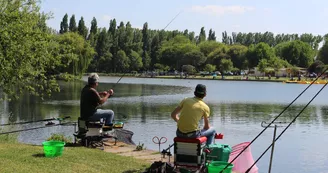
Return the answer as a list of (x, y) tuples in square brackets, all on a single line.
[(93, 79), (200, 91)]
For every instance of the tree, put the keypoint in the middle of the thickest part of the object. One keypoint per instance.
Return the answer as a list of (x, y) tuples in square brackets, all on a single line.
[(323, 53), (298, 53), (189, 69), (28, 54), (72, 24), (211, 35), (82, 29), (145, 47), (196, 58), (202, 35), (209, 67), (263, 65), (75, 53), (135, 61), (208, 47), (316, 67), (225, 65), (258, 52), (172, 52), (123, 61), (64, 25), (238, 56), (94, 27)]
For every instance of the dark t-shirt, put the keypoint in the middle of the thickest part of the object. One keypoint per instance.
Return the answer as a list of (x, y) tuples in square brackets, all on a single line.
[(89, 101)]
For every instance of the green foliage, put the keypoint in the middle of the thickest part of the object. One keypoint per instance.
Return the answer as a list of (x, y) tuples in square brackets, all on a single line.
[(317, 67), (60, 137), (323, 52), (226, 65), (263, 64), (64, 25), (298, 53), (27, 52), (209, 68), (258, 52), (189, 69), (72, 24), (140, 147), (75, 53)]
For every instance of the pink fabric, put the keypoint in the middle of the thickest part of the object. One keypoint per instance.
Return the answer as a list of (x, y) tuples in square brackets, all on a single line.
[(244, 161)]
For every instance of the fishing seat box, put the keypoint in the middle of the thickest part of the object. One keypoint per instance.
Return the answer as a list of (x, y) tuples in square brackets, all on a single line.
[(189, 151), (219, 152)]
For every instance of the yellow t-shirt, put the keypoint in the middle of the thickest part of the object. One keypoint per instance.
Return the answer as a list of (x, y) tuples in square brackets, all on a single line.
[(192, 111)]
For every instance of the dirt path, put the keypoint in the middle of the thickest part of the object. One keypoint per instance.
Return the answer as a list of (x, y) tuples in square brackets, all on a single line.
[(130, 150)]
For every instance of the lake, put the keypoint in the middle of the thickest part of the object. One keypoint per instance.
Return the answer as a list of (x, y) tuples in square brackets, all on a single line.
[(237, 110)]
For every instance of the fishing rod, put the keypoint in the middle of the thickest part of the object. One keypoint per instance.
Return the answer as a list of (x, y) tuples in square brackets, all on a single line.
[(288, 126), (41, 127), (274, 119), (27, 122)]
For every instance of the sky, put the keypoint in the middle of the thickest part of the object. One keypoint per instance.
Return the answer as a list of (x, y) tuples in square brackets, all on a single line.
[(278, 16)]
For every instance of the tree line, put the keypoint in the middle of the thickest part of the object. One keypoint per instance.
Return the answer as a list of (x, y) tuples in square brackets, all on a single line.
[(122, 48), (33, 55)]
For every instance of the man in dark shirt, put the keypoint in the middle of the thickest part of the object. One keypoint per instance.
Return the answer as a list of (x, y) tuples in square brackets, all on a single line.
[(91, 99)]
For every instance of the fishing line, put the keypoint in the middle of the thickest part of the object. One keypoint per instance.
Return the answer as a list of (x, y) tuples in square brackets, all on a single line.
[(288, 126), (274, 120)]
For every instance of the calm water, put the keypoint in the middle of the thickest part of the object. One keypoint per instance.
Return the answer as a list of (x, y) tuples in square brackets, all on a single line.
[(237, 110)]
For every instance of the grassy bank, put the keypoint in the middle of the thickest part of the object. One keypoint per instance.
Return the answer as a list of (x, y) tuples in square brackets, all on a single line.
[(21, 158)]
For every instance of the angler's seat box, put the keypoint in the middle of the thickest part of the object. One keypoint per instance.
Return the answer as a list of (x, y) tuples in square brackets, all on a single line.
[(219, 152), (189, 151)]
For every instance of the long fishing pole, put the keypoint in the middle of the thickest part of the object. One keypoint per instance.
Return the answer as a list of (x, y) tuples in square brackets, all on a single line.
[(288, 126), (41, 127), (27, 122), (274, 120)]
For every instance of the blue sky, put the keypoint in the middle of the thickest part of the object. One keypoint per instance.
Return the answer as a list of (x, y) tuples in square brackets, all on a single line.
[(278, 16)]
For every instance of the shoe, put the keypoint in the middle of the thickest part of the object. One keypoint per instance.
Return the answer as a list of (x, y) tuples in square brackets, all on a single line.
[(107, 128)]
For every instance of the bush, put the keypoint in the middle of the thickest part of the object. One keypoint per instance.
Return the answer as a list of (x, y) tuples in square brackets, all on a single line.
[(59, 137)]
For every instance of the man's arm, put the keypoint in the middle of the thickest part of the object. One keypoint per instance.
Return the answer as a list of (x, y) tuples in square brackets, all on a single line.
[(174, 114), (104, 99), (206, 123)]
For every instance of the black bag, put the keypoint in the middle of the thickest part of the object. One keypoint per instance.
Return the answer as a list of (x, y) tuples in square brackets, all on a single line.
[(160, 167)]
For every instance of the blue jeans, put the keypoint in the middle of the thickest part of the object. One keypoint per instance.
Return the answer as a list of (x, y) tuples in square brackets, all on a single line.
[(209, 133), (108, 115)]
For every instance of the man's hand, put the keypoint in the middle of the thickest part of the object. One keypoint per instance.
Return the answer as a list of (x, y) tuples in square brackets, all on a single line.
[(111, 92)]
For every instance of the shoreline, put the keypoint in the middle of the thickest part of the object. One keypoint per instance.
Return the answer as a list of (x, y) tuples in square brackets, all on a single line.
[(227, 78)]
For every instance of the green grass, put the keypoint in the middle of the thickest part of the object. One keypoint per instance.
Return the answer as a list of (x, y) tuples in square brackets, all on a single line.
[(21, 158)]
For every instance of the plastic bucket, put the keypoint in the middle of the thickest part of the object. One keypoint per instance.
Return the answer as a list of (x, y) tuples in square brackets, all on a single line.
[(53, 148), (217, 166)]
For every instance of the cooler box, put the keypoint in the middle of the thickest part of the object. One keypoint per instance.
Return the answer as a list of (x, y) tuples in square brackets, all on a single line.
[(219, 152), (189, 152)]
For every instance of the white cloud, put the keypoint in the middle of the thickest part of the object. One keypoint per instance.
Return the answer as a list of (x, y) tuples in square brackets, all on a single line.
[(107, 18), (221, 10)]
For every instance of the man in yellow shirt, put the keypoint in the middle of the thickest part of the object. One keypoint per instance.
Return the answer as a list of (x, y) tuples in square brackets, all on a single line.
[(192, 110)]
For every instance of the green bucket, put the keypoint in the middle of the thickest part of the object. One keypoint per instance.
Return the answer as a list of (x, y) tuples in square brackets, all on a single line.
[(217, 166), (53, 148)]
